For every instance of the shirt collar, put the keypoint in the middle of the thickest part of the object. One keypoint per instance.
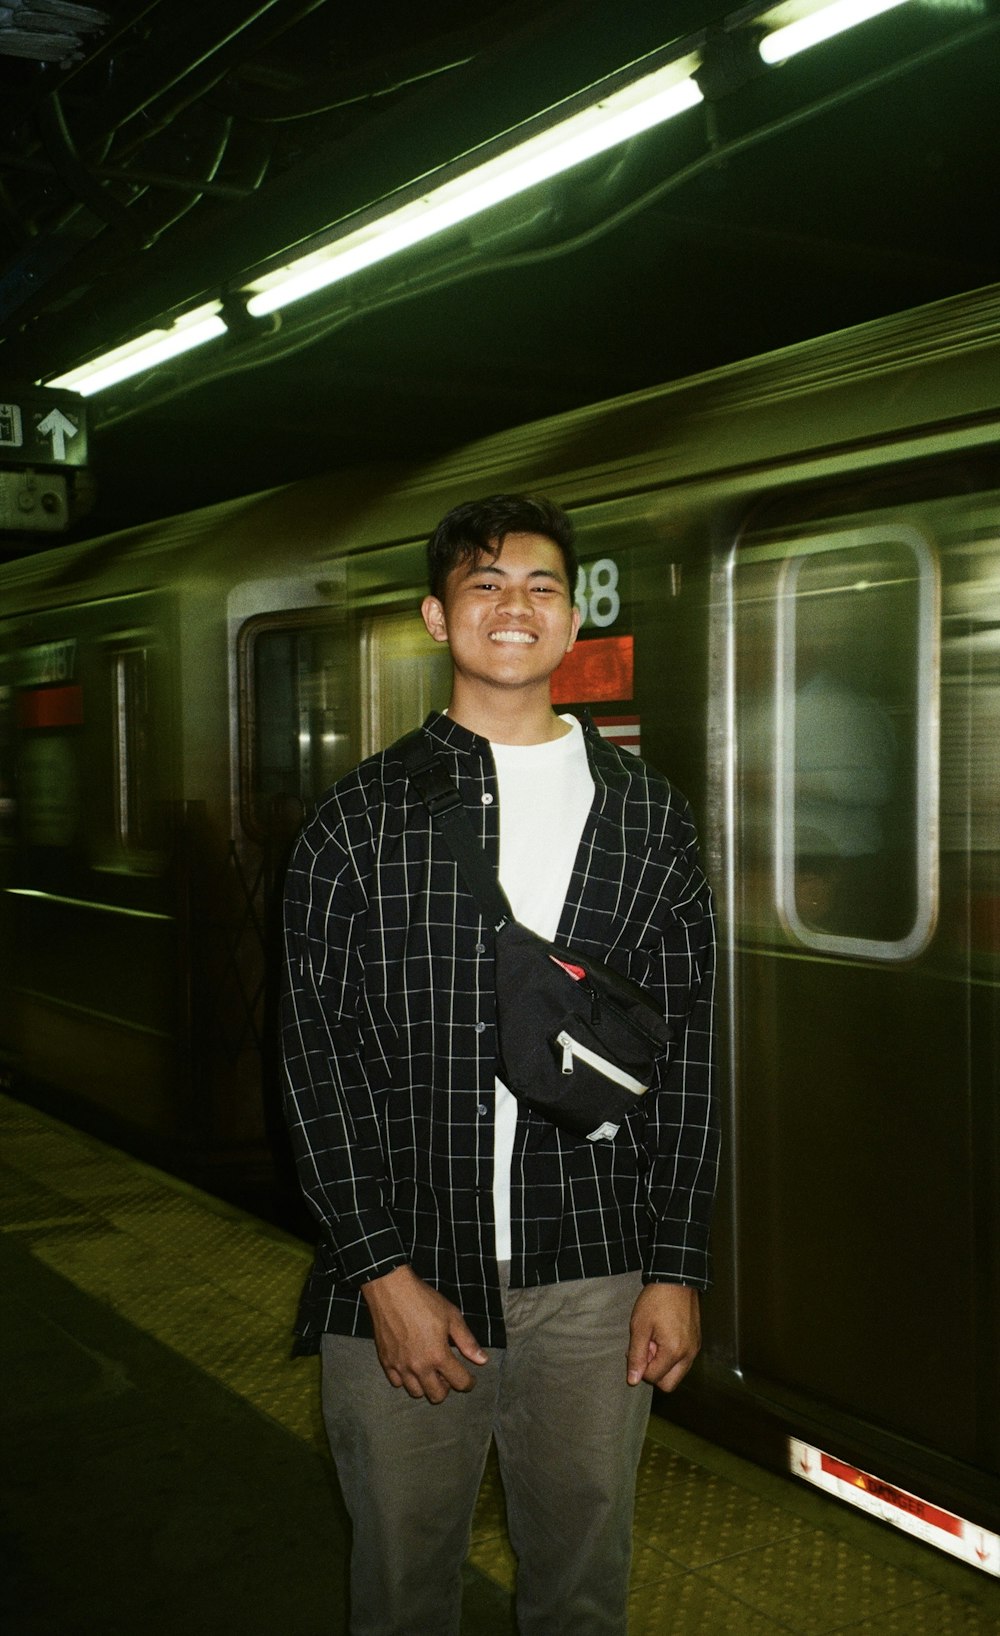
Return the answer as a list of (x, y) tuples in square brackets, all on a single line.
[(453, 736), (447, 732)]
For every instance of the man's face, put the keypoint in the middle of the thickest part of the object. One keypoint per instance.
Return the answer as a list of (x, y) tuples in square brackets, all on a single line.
[(508, 621)]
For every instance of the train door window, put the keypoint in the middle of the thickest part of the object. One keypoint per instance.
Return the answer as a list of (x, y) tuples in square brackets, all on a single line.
[(849, 730), (129, 714), (856, 806), (405, 675), (8, 752), (970, 734), (296, 718), (138, 811)]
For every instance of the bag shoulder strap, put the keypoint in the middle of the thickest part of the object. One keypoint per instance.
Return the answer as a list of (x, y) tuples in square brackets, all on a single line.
[(440, 795)]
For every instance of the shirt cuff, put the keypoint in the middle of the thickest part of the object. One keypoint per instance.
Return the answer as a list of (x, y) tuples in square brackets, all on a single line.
[(370, 1251), (678, 1257)]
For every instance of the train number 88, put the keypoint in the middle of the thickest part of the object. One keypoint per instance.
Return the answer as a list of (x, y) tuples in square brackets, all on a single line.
[(597, 595)]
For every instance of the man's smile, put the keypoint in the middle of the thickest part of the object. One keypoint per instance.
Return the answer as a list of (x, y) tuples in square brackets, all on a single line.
[(513, 636)]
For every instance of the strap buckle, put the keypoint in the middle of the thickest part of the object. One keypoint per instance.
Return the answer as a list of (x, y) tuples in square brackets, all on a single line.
[(438, 790), (428, 774)]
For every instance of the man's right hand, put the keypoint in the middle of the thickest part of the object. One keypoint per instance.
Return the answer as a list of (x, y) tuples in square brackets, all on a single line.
[(415, 1331)]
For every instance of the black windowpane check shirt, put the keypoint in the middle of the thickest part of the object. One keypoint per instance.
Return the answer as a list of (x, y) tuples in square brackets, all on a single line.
[(390, 1047)]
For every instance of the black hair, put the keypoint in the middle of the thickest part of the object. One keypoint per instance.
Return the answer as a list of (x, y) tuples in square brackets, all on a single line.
[(483, 525)]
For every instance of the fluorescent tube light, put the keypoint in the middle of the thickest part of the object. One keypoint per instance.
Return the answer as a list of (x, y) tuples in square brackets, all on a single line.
[(155, 347), (622, 114), (820, 25)]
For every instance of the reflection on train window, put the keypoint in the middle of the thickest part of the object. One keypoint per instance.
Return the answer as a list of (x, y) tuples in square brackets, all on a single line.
[(970, 734), (138, 814), (8, 752), (856, 744), (405, 675), (296, 727)]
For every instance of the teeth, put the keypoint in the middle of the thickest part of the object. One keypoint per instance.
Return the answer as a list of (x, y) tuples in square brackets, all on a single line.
[(511, 636)]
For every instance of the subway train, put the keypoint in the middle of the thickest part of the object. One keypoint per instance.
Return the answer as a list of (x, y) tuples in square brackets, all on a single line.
[(790, 600)]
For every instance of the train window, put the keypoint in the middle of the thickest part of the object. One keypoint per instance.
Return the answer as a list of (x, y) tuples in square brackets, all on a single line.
[(405, 674), (855, 804), (970, 733), (296, 732), (8, 752), (138, 814)]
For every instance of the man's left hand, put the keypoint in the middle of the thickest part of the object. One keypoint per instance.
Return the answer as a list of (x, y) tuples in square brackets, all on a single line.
[(665, 1335)]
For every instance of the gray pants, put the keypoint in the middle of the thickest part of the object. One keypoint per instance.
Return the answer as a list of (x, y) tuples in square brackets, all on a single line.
[(568, 1432)]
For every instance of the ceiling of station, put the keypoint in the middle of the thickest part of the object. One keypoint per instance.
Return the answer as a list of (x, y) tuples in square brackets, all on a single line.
[(154, 155)]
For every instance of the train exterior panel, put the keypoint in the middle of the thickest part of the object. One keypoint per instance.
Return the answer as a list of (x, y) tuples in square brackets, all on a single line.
[(790, 597)]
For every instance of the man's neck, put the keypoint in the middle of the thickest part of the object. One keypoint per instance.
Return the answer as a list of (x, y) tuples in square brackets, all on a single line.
[(508, 720)]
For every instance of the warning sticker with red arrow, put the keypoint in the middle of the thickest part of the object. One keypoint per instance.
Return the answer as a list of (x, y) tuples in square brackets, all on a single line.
[(891, 1504)]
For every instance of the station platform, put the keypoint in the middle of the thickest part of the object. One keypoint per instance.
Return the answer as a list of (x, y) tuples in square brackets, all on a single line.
[(164, 1471)]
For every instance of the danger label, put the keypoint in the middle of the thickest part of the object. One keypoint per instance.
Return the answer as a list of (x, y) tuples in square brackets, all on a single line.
[(888, 1503)]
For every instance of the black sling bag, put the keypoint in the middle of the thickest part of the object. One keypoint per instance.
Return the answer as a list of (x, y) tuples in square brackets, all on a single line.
[(578, 1041)]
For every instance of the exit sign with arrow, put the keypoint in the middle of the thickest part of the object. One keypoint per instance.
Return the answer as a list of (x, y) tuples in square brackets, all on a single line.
[(40, 427)]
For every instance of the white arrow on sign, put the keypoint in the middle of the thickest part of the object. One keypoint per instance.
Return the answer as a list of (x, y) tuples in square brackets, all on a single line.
[(58, 427)]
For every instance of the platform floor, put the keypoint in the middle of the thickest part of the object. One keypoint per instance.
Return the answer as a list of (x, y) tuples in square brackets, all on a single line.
[(164, 1470)]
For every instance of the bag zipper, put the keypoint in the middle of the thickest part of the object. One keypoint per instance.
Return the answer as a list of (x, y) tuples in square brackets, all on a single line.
[(610, 1070), (597, 1004), (627, 1020)]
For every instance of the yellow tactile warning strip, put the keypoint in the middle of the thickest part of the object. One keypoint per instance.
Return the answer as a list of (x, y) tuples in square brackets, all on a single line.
[(719, 1546), (490, 1551), (217, 1288)]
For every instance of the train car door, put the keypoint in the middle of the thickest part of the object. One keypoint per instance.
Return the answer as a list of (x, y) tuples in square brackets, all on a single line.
[(864, 1222)]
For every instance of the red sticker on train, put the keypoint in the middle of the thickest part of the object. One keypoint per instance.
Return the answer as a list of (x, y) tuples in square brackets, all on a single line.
[(51, 707), (598, 668), (879, 1490)]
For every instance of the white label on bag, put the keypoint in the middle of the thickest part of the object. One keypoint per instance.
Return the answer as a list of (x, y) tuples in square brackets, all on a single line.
[(606, 1131), (610, 1070)]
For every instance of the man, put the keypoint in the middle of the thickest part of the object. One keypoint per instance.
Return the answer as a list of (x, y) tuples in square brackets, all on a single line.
[(517, 1282)]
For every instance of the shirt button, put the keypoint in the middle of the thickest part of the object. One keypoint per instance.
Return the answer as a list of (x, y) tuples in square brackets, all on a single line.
[(480, 1028), (487, 799), (480, 948), (483, 1108)]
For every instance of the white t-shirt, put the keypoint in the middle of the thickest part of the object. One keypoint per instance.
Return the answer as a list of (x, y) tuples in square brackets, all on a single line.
[(546, 792)]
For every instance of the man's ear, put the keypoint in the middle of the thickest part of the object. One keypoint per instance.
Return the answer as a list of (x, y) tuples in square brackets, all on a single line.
[(432, 612), (574, 630)]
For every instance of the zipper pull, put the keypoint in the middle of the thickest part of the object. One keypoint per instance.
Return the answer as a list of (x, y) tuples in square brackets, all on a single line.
[(567, 1045), (595, 1006)]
